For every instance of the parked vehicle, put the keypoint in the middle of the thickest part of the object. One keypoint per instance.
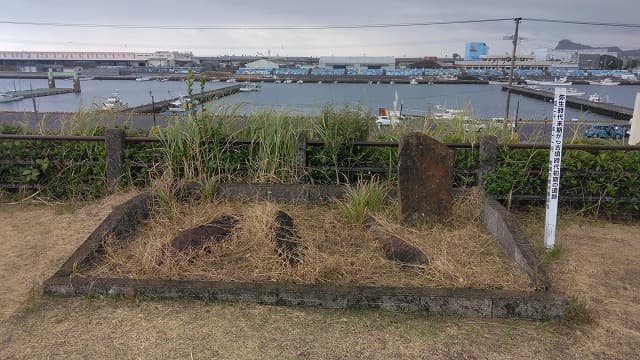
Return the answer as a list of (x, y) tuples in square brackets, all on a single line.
[(627, 129), (604, 132)]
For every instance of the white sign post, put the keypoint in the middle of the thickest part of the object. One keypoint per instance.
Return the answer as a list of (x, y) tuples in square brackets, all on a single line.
[(555, 158)]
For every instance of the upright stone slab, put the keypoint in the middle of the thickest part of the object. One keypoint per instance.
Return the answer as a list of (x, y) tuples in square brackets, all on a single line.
[(488, 154), (425, 178), (114, 141)]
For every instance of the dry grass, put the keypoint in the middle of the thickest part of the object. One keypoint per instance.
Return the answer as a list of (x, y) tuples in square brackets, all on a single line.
[(598, 265), (462, 254)]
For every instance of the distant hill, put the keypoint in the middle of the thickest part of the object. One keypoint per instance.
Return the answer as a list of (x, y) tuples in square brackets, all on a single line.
[(570, 45)]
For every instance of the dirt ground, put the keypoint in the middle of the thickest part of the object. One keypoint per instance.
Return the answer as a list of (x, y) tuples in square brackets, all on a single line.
[(598, 264)]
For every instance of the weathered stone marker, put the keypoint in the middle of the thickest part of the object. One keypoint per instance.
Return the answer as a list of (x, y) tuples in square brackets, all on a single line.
[(394, 248), (196, 238), (114, 141), (425, 178), (287, 239), (488, 154)]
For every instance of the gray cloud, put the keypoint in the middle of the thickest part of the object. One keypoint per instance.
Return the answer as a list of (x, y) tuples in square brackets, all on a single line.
[(415, 41)]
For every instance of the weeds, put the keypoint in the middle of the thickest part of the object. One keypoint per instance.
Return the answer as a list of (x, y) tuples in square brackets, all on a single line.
[(576, 313), (365, 196)]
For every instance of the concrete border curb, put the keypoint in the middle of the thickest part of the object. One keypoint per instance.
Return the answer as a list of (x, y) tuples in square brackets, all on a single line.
[(121, 223)]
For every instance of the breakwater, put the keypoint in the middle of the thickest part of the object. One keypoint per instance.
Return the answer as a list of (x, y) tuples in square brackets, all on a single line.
[(612, 110), (202, 98)]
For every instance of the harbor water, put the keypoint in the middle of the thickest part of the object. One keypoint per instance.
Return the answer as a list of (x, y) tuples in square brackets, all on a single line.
[(482, 101)]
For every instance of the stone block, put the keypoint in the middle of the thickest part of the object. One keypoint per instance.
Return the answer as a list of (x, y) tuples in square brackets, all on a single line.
[(425, 178)]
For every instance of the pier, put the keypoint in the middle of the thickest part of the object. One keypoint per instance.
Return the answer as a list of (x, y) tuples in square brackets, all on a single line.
[(162, 106), (41, 92), (615, 111)]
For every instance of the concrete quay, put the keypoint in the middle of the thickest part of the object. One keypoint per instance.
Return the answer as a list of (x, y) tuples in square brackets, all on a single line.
[(615, 111)]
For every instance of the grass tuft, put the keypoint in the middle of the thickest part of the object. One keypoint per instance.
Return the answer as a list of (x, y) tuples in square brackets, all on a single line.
[(365, 196)]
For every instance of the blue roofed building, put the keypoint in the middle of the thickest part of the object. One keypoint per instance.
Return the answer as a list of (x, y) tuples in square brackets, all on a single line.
[(473, 50)]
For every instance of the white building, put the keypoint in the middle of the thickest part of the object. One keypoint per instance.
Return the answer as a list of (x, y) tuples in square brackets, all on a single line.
[(262, 64), (357, 62), (503, 62)]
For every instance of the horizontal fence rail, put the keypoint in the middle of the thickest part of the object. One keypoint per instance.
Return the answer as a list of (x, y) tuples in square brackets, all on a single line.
[(319, 143)]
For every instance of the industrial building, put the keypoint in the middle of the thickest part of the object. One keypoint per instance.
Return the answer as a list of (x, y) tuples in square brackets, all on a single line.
[(503, 62), (474, 50), (33, 61), (357, 63)]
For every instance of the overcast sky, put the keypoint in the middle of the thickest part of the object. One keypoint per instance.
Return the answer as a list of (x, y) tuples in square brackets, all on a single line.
[(437, 40)]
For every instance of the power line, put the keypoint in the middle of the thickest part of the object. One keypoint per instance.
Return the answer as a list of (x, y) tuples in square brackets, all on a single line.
[(575, 22), (246, 27)]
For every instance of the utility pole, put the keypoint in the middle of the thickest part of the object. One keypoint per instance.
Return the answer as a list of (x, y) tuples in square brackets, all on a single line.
[(513, 64)]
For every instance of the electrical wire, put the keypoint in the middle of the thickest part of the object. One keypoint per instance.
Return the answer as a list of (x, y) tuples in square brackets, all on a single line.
[(575, 22), (245, 27)]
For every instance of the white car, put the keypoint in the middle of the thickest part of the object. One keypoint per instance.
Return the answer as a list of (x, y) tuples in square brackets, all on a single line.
[(384, 120)]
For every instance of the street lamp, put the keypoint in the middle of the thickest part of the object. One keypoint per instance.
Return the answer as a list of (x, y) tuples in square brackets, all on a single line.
[(153, 108)]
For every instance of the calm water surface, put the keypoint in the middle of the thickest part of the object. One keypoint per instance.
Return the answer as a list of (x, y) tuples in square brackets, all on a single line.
[(484, 101)]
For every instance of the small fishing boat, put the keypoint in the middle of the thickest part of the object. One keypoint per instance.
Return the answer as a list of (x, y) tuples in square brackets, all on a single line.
[(144, 78), (114, 103), (598, 98), (556, 82), (574, 92), (605, 82), (8, 97), (249, 87)]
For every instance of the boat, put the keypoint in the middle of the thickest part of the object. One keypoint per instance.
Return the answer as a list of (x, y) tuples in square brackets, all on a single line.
[(8, 97), (556, 82), (181, 105), (114, 103), (215, 80), (574, 92), (388, 117), (320, 82), (299, 82), (598, 99), (413, 82), (164, 79), (440, 112), (232, 80), (606, 81), (391, 82), (248, 87), (277, 82), (145, 78), (288, 81)]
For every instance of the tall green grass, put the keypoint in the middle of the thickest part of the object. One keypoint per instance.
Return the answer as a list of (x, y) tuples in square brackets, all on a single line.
[(362, 198), (274, 146)]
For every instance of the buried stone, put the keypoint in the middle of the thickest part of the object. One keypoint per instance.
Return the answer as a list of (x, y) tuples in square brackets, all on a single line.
[(215, 231), (394, 248), (425, 179), (286, 239)]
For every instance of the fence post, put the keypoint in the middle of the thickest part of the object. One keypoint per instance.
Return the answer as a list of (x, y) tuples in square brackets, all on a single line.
[(488, 155), (301, 156), (114, 144)]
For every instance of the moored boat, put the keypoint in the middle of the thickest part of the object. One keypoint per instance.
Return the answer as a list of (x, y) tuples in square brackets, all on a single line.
[(598, 98), (248, 87), (606, 82), (8, 97), (574, 92), (114, 103), (556, 82)]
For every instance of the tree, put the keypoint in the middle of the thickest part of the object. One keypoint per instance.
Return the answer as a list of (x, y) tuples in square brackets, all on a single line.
[(608, 62)]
